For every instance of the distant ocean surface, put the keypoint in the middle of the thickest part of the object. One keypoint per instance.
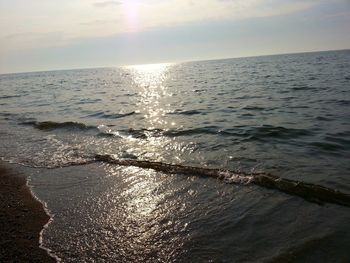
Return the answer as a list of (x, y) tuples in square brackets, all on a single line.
[(287, 115)]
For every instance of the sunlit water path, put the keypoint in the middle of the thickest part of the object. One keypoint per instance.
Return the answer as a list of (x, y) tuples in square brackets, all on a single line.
[(283, 115)]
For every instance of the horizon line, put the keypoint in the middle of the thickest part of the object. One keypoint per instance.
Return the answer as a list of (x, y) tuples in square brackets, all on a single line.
[(173, 62)]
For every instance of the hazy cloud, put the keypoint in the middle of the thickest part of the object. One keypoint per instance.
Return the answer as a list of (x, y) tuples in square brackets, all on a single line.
[(84, 19), (107, 3), (32, 25), (99, 22)]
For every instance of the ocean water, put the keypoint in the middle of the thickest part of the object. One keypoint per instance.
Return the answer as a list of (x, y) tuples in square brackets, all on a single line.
[(284, 115)]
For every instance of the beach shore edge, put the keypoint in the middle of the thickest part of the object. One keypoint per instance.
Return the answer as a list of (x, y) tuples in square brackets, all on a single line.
[(22, 219)]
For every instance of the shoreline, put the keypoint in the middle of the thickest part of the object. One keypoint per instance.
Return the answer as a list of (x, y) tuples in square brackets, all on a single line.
[(22, 220)]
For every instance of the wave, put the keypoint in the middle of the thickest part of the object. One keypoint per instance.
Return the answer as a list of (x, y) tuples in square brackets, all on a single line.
[(105, 131), (7, 114), (51, 125), (147, 133), (253, 108), (188, 112), (338, 140), (308, 191), (302, 87), (10, 96), (268, 131), (325, 146), (194, 131), (245, 133), (102, 130), (88, 101), (254, 133), (322, 118), (104, 115), (343, 102)]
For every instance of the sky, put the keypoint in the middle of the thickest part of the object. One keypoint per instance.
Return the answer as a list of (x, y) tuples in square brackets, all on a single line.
[(40, 35)]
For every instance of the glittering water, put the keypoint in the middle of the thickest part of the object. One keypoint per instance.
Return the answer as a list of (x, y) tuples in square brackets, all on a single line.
[(288, 115)]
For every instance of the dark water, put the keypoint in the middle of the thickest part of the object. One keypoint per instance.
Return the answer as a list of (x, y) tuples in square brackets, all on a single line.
[(287, 115)]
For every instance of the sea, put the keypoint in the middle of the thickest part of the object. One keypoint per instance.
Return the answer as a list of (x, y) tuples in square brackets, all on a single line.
[(283, 115)]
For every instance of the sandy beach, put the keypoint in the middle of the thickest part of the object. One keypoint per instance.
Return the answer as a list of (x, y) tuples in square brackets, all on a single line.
[(21, 219)]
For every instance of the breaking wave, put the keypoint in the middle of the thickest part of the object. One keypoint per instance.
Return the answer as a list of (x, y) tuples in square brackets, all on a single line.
[(259, 133), (308, 191)]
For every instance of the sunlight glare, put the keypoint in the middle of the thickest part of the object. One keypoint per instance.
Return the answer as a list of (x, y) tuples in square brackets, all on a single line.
[(150, 81), (131, 9)]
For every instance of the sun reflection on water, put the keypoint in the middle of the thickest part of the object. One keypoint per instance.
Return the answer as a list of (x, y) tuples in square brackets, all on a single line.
[(150, 79), (146, 212), (147, 134)]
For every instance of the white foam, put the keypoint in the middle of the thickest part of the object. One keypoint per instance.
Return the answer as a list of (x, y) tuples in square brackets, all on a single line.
[(233, 178), (47, 211)]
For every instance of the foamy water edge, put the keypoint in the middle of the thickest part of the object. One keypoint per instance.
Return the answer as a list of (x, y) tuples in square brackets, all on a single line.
[(51, 216)]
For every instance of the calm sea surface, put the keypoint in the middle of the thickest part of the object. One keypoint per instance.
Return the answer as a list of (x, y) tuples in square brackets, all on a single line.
[(288, 115)]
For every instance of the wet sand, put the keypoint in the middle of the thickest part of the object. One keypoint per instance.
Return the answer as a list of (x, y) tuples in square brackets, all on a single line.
[(22, 218)]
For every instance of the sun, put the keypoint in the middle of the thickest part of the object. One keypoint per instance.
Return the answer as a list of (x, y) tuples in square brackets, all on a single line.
[(131, 11)]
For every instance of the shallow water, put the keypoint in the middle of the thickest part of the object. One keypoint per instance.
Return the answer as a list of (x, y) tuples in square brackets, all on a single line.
[(115, 214), (287, 115)]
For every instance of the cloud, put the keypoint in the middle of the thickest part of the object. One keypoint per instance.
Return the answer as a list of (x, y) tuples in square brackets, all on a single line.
[(31, 40), (156, 13), (72, 21), (107, 3), (99, 22)]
